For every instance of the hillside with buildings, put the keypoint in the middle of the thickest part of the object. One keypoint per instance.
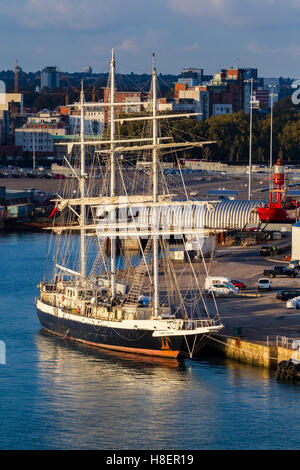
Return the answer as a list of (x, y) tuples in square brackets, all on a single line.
[(35, 111)]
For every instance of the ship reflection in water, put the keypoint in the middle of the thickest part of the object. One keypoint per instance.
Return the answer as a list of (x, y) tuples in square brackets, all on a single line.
[(109, 400), (87, 398)]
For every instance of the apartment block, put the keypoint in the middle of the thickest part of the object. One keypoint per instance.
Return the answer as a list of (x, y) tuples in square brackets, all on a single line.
[(36, 135)]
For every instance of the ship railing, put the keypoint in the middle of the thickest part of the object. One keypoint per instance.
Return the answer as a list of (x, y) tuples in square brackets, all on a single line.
[(193, 324), (50, 287)]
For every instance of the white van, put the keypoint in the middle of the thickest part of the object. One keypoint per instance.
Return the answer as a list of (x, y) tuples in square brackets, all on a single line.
[(210, 280)]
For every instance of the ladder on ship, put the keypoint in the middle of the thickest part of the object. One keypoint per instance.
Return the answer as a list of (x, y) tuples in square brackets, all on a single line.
[(99, 262), (139, 274)]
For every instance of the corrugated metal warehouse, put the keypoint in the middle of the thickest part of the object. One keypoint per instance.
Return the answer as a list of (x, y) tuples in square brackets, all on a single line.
[(221, 215)]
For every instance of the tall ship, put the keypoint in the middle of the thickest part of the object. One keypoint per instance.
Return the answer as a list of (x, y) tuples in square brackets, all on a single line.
[(95, 292), (281, 207)]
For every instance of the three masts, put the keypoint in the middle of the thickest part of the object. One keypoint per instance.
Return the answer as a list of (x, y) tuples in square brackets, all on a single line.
[(100, 309)]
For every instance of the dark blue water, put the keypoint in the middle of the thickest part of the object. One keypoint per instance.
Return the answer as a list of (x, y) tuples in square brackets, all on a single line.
[(56, 394)]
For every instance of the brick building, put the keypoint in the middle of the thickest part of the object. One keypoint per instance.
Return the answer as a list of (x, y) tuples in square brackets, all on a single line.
[(129, 100)]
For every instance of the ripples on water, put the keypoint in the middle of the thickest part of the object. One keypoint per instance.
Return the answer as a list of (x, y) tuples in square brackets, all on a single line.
[(57, 394)]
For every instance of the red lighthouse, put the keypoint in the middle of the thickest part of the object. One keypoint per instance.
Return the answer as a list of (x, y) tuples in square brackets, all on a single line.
[(279, 210), (278, 180)]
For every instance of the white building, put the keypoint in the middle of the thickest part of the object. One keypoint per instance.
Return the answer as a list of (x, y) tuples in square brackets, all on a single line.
[(36, 134), (39, 140), (44, 118), (201, 99), (189, 81), (93, 121)]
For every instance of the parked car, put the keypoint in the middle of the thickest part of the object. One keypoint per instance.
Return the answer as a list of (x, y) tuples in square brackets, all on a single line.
[(293, 303), (238, 284), (294, 264), (276, 236), (264, 284), (286, 294), (280, 271), (266, 251), (223, 289)]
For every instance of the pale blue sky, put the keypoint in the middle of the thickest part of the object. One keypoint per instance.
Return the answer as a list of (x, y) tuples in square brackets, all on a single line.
[(210, 34)]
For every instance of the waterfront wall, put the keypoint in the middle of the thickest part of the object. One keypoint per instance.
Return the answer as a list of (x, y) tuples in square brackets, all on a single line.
[(260, 355), (284, 354)]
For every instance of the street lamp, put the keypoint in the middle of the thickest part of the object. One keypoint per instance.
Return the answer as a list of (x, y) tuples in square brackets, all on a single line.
[(272, 86), (251, 80)]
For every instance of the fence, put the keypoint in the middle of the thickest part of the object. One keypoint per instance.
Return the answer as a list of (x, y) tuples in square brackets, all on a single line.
[(284, 342), (287, 348)]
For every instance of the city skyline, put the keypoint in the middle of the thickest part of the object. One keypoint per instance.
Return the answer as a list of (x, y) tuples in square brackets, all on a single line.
[(221, 33)]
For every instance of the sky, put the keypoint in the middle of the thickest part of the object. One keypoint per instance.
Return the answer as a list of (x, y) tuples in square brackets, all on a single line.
[(208, 34)]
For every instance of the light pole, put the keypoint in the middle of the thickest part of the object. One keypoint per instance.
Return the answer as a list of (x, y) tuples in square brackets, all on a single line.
[(271, 133), (251, 80)]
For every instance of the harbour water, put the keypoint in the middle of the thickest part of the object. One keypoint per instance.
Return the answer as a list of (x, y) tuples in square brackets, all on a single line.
[(56, 394)]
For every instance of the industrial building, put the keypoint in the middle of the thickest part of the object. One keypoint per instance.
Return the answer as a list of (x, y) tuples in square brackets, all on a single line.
[(15, 204), (216, 215)]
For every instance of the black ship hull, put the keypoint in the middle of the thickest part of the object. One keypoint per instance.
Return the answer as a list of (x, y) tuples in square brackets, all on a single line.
[(118, 339)]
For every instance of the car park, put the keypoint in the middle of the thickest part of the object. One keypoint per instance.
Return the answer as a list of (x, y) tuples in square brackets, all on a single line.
[(264, 284), (293, 303)]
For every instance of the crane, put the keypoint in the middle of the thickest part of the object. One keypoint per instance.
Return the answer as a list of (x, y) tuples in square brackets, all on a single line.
[(64, 77)]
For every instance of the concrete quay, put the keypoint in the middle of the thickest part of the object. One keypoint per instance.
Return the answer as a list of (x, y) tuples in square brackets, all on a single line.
[(267, 330)]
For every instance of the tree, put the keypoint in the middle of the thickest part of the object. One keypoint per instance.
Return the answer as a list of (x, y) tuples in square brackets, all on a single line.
[(289, 140)]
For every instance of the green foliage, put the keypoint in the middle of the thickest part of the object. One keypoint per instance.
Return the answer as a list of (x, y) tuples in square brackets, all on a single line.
[(49, 101), (231, 134)]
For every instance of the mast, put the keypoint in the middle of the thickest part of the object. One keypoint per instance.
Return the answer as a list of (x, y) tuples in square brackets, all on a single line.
[(82, 190), (112, 171), (155, 192)]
